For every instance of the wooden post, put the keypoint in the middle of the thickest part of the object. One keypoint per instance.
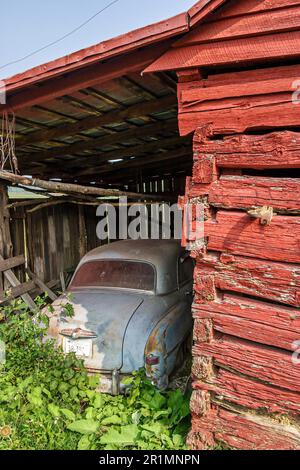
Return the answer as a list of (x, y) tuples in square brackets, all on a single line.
[(6, 247), (82, 232)]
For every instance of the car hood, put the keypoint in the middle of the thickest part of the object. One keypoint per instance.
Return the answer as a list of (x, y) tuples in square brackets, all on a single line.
[(107, 314)]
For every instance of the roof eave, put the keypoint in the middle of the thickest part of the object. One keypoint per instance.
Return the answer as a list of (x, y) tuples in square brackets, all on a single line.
[(112, 48)]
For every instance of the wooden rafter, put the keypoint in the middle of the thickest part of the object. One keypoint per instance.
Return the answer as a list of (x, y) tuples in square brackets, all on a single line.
[(83, 78), (118, 138), (92, 161), (142, 162)]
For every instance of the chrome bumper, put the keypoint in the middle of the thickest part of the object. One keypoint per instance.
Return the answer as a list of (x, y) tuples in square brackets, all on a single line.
[(111, 383)]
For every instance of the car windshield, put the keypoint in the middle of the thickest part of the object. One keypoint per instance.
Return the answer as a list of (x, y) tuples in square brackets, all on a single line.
[(115, 273)]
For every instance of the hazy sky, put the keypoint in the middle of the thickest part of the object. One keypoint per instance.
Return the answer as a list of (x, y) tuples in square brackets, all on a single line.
[(31, 24)]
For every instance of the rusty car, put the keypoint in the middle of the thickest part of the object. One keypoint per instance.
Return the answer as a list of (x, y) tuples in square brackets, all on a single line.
[(132, 309)]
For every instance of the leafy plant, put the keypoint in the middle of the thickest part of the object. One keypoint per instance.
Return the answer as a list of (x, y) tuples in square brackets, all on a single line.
[(48, 401)]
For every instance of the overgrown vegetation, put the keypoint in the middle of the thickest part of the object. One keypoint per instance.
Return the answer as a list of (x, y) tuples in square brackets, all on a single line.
[(48, 402)]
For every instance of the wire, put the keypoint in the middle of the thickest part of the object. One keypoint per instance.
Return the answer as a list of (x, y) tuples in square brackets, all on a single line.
[(60, 39)]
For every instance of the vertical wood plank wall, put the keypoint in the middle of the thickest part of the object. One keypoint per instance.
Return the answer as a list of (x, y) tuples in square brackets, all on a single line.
[(53, 238)]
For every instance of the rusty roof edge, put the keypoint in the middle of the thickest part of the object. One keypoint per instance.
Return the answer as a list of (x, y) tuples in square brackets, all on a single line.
[(119, 45)]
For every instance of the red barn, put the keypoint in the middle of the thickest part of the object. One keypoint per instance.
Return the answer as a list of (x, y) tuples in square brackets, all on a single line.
[(237, 64), (238, 71)]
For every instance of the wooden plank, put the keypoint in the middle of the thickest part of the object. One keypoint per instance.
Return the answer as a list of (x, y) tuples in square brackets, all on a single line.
[(94, 161), (237, 51), (253, 6), (191, 99), (263, 322), (93, 122), (257, 101), (12, 263), (241, 77), (269, 365), (241, 431), (84, 78), (45, 289), (108, 140), (203, 9), (284, 19), (237, 233), (276, 150), (96, 158), (279, 282), (14, 282), (270, 115), (18, 291), (244, 192), (144, 160), (6, 247), (246, 392)]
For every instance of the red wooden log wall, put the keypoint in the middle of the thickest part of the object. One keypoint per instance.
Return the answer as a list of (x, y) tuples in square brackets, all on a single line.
[(247, 277), (247, 295)]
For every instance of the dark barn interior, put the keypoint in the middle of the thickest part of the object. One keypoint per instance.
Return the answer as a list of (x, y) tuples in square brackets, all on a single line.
[(93, 119)]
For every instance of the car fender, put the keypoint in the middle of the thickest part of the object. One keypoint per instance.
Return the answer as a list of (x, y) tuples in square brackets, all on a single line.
[(165, 340)]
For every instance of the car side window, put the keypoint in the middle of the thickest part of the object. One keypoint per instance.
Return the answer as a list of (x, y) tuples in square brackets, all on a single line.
[(185, 269)]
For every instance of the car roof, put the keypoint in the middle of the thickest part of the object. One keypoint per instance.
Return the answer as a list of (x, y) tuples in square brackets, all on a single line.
[(163, 254), (157, 252)]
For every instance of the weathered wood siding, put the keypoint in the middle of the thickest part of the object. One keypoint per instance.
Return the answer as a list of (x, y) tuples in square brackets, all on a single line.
[(247, 293), (54, 238)]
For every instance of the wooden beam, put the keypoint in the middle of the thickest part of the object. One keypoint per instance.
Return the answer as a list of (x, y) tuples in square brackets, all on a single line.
[(140, 162), (118, 138), (68, 188), (12, 263), (94, 122), (250, 393), (269, 112), (202, 9), (237, 233), (237, 51), (277, 282), (276, 21), (268, 323), (240, 355), (245, 431), (83, 78), (18, 291), (191, 99), (82, 232), (14, 282), (5, 235), (277, 150), (42, 286), (244, 192), (253, 6), (6, 248), (88, 162)]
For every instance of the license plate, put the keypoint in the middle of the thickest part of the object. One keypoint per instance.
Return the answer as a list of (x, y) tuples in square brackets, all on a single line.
[(81, 347)]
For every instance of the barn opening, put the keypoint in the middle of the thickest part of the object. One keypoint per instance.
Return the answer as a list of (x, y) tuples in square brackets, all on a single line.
[(92, 119)]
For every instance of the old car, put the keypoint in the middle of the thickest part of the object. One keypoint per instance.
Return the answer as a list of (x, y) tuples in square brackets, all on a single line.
[(132, 309)]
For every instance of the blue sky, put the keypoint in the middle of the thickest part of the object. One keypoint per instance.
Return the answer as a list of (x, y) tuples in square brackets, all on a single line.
[(31, 24)]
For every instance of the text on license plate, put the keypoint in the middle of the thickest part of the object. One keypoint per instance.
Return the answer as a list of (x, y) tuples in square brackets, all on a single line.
[(81, 347)]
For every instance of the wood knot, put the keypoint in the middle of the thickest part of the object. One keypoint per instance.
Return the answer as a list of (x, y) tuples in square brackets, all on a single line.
[(265, 214)]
